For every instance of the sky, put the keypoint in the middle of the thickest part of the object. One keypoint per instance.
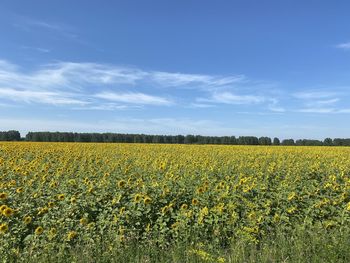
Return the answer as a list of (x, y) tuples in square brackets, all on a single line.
[(260, 68)]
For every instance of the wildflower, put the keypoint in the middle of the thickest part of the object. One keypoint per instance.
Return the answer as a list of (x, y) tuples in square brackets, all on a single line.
[(3, 228), (19, 190), (195, 201), (60, 197), (73, 200), (43, 210), (221, 260), (122, 210), (200, 190), (3, 196), (27, 220), (83, 221), (291, 196), (348, 206), (184, 206), (39, 230), (53, 231), (137, 198), (2, 208), (147, 200), (165, 209), (8, 212), (71, 235), (121, 183), (291, 210)]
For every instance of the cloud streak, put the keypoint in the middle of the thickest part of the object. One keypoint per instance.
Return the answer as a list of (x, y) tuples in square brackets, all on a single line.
[(94, 86), (344, 46), (134, 98)]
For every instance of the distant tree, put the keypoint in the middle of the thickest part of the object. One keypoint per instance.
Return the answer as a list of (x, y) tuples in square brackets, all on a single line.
[(180, 139), (276, 141), (341, 142), (265, 141), (328, 142), (288, 142), (248, 140), (10, 136)]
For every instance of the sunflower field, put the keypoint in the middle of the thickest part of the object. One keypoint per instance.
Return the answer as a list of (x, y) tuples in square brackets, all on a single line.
[(59, 197)]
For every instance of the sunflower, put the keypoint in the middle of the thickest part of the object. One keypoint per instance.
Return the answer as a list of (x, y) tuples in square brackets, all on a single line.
[(27, 220), (43, 210), (53, 231), (19, 190), (50, 204), (4, 228), (184, 206), (200, 190), (2, 208), (71, 235), (137, 198), (83, 221), (195, 201), (60, 197), (122, 210), (39, 230), (8, 212), (165, 209), (147, 200), (3, 196), (121, 183), (73, 200)]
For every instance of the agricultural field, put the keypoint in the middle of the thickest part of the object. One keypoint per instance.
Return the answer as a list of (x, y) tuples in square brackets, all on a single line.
[(173, 203)]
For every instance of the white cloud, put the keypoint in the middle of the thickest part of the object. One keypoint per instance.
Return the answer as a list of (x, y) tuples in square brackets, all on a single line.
[(90, 85), (231, 98), (322, 101), (327, 102), (201, 105), (35, 96), (39, 49), (195, 81), (345, 46), (317, 110), (134, 98), (315, 94), (67, 83), (276, 108), (325, 110)]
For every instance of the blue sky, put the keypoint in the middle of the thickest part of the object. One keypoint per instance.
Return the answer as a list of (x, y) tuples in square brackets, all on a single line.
[(263, 68)]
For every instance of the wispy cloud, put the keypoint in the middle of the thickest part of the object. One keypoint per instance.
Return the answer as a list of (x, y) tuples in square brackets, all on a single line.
[(197, 105), (28, 96), (315, 94), (195, 81), (65, 83), (325, 110), (38, 49), (231, 98), (344, 46), (317, 110), (31, 24), (134, 98), (274, 106), (95, 86), (47, 25), (322, 101)]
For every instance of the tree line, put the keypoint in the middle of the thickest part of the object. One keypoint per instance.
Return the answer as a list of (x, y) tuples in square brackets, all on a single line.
[(171, 139), (10, 136)]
